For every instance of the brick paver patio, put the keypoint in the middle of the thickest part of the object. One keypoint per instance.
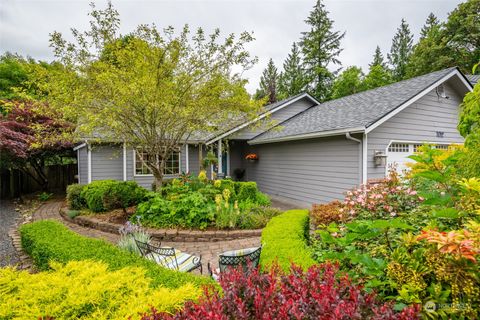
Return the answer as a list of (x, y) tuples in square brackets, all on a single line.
[(208, 250)]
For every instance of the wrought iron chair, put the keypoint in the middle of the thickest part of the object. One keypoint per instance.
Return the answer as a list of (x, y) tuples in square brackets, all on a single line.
[(170, 258), (247, 258)]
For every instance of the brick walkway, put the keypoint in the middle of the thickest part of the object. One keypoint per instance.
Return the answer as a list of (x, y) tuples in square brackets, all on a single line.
[(208, 250)]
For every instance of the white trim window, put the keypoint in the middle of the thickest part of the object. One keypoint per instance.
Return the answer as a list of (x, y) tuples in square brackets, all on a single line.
[(172, 164)]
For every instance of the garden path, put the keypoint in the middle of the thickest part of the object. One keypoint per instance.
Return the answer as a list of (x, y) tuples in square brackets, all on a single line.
[(8, 216), (208, 250)]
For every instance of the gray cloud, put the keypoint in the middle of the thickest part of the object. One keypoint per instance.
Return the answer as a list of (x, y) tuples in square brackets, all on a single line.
[(25, 25)]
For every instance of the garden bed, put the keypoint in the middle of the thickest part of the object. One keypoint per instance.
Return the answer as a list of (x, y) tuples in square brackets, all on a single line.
[(102, 223)]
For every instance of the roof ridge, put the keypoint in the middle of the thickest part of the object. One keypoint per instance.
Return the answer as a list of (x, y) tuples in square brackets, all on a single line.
[(391, 84)]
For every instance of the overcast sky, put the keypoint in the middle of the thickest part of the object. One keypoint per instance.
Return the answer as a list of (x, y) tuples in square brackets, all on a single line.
[(25, 25)]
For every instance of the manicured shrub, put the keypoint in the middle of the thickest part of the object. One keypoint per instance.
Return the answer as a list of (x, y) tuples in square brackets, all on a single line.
[(86, 290), (105, 195), (247, 190), (284, 240), (74, 199), (48, 240), (324, 214), (319, 293), (228, 184)]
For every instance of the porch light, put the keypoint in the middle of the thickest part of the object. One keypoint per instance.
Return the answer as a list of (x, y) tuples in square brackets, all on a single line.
[(380, 159)]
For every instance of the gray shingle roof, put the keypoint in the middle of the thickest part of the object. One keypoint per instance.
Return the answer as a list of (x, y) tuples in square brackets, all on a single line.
[(357, 110), (473, 78)]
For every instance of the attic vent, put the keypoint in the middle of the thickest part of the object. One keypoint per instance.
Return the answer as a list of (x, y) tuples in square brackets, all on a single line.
[(441, 92)]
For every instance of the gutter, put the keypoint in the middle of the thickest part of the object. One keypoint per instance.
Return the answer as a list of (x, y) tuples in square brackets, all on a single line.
[(361, 176)]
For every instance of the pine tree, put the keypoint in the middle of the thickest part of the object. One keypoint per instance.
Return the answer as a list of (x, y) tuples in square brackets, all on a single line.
[(378, 59), (400, 51), (268, 83), (431, 23), (292, 78), (320, 47)]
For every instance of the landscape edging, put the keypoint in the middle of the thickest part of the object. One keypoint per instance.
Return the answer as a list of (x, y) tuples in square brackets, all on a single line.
[(172, 235)]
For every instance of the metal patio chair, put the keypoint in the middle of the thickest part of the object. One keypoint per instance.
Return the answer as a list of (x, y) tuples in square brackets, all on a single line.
[(247, 258), (170, 258)]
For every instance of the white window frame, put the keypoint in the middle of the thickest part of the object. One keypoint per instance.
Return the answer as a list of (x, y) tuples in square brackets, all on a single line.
[(135, 174)]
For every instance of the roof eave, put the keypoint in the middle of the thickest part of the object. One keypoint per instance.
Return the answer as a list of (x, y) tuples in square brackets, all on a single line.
[(263, 115), (374, 124), (312, 135)]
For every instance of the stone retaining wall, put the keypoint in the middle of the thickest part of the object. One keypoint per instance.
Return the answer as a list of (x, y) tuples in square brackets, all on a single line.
[(171, 235)]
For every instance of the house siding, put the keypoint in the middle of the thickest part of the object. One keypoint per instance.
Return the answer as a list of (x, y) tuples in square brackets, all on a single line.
[(107, 162), (276, 117), (306, 171), (82, 165), (419, 122)]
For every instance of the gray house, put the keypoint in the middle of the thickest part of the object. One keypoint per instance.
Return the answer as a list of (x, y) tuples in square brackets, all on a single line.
[(315, 151)]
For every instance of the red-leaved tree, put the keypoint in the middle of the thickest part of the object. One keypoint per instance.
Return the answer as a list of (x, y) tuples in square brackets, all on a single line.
[(318, 293), (31, 134)]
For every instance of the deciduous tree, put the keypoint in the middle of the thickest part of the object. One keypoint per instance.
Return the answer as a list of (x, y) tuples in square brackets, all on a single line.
[(348, 82), (152, 89)]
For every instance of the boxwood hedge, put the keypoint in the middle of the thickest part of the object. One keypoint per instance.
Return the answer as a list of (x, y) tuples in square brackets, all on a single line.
[(285, 240), (50, 240)]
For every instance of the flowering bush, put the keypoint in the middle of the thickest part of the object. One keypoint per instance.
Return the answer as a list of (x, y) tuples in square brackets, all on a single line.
[(318, 293), (131, 232), (386, 198)]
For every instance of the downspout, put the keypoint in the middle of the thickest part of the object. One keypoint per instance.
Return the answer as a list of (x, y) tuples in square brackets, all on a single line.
[(349, 137)]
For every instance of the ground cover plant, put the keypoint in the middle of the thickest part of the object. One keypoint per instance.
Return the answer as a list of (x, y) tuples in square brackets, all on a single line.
[(196, 202), (86, 290), (284, 241), (320, 292), (47, 241), (412, 239)]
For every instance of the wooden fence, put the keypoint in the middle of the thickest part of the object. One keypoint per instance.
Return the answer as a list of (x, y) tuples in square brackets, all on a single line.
[(14, 183)]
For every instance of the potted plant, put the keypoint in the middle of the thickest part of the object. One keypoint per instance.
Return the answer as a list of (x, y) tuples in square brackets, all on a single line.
[(252, 157)]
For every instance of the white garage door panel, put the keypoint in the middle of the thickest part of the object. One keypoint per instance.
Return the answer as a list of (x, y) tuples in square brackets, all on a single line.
[(398, 153)]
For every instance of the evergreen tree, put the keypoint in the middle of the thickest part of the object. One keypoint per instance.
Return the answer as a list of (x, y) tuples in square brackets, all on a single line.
[(268, 83), (320, 47), (400, 51), (348, 82), (431, 23), (292, 78), (378, 58), (453, 43)]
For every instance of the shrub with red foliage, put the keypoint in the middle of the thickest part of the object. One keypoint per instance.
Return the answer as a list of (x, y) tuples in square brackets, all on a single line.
[(319, 293), (324, 214)]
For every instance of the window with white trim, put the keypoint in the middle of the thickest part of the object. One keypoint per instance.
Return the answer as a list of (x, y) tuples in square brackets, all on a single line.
[(416, 147), (441, 146), (172, 164), (398, 147)]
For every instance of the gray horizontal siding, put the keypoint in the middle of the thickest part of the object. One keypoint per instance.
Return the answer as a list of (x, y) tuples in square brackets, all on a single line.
[(107, 162), (82, 165), (276, 117), (417, 123), (306, 171)]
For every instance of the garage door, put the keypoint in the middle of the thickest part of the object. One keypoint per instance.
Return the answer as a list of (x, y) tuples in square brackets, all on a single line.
[(397, 154)]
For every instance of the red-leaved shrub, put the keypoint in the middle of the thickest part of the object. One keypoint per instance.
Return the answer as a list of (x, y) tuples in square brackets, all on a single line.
[(319, 293), (324, 214)]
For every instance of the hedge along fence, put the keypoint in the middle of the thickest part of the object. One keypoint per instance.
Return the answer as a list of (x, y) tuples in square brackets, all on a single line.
[(48, 240), (284, 241)]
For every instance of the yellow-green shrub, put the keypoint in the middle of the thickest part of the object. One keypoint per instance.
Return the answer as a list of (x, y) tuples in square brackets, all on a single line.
[(86, 290)]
